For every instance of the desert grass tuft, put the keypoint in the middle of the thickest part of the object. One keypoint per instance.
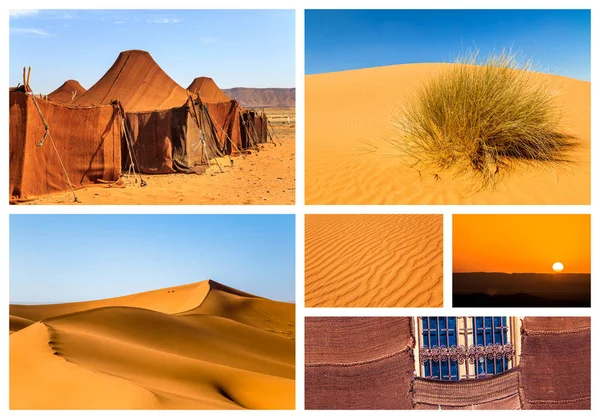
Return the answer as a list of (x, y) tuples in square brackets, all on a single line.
[(481, 118)]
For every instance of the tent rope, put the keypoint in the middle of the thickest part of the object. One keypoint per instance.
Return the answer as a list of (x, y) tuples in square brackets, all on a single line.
[(212, 124), (273, 132), (227, 136), (249, 135), (129, 141), (256, 133), (202, 141), (48, 135)]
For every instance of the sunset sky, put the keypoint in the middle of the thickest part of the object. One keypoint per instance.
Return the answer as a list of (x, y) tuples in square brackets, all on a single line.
[(514, 243)]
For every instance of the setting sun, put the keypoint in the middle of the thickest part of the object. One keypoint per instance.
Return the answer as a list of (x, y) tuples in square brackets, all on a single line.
[(521, 243)]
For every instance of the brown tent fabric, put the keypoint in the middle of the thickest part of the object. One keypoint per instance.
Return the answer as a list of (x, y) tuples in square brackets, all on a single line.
[(555, 324), (64, 94), (555, 363), (164, 141), (208, 90), (254, 128), (87, 140), (264, 128), (499, 392), (358, 363), (138, 82), (165, 136), (226, 118)]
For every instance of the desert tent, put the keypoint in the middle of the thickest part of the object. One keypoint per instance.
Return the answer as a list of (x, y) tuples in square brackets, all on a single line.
[(55, 147), (67, 92), (163, 125), (208, 90), (224, 112), (254, 128)]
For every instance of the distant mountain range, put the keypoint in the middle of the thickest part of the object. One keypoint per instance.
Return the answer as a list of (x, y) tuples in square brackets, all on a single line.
[(496, 289), (250, 97)]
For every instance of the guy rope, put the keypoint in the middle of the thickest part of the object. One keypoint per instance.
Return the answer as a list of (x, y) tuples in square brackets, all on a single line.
[(47, 133)]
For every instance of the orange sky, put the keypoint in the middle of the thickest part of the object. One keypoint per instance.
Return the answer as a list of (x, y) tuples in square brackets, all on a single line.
[(520, 243)]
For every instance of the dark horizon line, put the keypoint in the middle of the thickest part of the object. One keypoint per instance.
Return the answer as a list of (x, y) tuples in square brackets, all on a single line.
[(524, 273)]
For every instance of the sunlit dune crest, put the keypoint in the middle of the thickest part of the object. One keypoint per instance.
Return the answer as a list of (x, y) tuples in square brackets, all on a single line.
[(197, 346), (351, 157)]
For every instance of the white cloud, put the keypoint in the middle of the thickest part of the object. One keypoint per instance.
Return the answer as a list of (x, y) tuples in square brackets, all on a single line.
[(22, 12), (32, 31), (163, 20), (208, 39)]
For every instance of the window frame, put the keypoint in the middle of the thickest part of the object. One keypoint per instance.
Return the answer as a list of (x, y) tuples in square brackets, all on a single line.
[(468, 355)]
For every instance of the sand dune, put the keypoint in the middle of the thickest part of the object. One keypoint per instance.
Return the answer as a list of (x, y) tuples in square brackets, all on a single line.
[(373, 261), (196, 346), (349, 158)]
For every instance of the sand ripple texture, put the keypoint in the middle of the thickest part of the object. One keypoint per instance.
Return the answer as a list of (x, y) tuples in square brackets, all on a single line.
[(373, 261), (350, 158)]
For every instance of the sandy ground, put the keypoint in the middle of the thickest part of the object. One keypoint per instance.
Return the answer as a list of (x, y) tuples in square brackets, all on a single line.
[(373, 261), (350, 160), (267, 177), (197, 346)]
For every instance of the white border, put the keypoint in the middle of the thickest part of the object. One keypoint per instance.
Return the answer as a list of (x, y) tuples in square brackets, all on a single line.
[(300, 209)]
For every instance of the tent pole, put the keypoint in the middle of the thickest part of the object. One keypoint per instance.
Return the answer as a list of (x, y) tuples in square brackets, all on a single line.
[(273, 131), (226, 136), (255, 133), (215, 136), (47, 133), (249, 134), (129, 141), (202, 136)]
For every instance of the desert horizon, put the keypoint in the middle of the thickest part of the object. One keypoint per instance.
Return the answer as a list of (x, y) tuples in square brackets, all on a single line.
[(521, 260), (499, 289)]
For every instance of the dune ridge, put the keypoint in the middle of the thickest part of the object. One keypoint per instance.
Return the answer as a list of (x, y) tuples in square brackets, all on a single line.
[(373, 261), (350, 157), (142, 352)]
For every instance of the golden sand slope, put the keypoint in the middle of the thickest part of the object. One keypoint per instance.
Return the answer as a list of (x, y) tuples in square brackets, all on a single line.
[(373, 261), (197, 346), (349, 159), (266, 178)]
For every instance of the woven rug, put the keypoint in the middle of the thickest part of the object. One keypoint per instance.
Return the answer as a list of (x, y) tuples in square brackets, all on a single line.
[(358, 363), (500, 392), (555, 363)]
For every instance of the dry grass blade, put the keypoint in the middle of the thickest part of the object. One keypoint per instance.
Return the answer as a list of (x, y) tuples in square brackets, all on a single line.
[(481, 118)]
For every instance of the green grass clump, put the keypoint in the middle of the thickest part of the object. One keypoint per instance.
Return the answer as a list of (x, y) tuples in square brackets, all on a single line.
[(482, 117)]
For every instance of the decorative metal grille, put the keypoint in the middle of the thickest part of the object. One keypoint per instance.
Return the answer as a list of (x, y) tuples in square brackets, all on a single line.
[(456, 348)]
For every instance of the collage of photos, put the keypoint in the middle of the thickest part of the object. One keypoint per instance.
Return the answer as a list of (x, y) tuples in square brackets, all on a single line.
[(436, 254)]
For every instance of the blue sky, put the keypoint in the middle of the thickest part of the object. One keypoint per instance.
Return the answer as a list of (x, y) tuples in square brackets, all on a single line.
[(557, 40), (237, 48), (61, 258)]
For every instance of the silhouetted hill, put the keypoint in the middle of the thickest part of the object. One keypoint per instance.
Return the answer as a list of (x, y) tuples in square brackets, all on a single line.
[(512, 300), (263, 98), (521, 289)]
